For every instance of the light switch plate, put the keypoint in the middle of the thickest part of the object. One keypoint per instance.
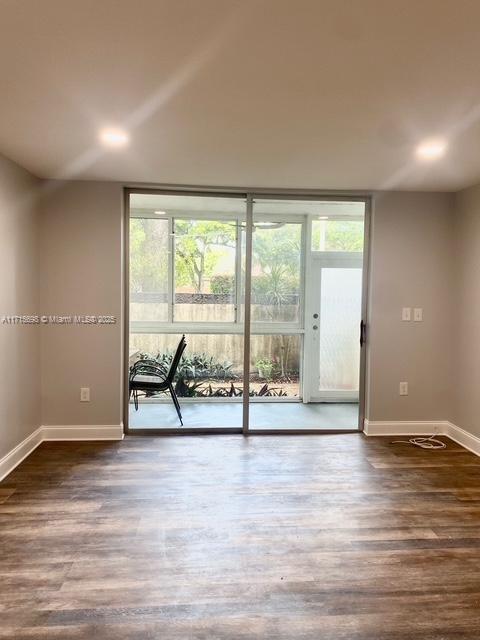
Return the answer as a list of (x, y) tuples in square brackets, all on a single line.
[(418, 314), (406, 314), (403, 389), (85, 394)]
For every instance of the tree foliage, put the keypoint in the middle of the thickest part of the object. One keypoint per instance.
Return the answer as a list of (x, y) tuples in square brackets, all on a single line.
[(276, 256), (339, 235), (199, 247), (148, 255)]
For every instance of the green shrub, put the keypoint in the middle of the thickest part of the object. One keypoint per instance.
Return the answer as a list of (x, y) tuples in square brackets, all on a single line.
[(273, 289), (265, 368), (194, 366), (222, 284)]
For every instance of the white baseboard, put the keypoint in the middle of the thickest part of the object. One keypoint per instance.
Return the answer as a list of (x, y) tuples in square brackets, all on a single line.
[(82, 432), (56, 433), (424, 428), (14, 457), (396, 428), (464, 438)]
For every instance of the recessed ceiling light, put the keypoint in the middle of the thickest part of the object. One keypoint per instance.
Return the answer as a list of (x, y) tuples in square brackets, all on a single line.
[(431, 149), (323, 217), (161, 213), (114, 137)]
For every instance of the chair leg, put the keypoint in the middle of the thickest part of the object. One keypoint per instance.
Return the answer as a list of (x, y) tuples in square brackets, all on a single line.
[(176, 403), (135, 399)]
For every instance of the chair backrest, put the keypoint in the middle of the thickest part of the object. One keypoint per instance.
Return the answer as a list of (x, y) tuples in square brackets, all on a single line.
[(148, 367), (176, 359)]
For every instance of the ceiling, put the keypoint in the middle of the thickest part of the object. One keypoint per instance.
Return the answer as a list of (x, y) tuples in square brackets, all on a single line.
[(255, 93)]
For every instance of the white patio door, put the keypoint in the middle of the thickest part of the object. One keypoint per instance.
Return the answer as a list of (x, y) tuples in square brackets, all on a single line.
[(332, 327)]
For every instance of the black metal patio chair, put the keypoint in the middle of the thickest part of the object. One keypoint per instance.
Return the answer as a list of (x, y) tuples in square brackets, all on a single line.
[(149, 377)]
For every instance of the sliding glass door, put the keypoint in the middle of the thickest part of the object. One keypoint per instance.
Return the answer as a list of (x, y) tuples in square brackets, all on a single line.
[(185, 279), (276, 306), (268, 293), (313, 256)]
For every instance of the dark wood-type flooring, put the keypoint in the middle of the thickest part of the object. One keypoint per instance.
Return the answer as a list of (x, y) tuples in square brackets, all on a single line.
[(306, 537)]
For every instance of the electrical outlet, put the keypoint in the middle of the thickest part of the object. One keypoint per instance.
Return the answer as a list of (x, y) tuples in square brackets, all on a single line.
[(403, 389), (85, 394), (418, 314), (406, 314)]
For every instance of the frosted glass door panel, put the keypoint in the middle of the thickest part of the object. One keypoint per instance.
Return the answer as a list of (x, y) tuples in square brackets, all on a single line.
[(340, 314)]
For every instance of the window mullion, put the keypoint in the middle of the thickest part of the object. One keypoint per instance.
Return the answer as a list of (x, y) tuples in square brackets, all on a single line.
[(171, 268), (238, 273)]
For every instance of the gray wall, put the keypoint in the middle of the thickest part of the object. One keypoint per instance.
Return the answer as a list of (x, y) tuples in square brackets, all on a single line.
[(466, 305), (81, 273), (411, 266), (81, 267), (19, 268), (425, 251)]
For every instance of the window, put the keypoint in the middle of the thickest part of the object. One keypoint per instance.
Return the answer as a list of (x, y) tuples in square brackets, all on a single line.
[(276, 267), (212, 366), (275, 362), (205, 259), (184, 258), (337, 235), (149, 269), (187, 276)]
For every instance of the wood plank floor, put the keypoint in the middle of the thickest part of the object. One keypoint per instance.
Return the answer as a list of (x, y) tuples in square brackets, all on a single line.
[(307, 537)]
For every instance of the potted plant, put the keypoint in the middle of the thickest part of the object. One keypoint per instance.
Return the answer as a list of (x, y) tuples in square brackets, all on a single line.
[(264, 368)]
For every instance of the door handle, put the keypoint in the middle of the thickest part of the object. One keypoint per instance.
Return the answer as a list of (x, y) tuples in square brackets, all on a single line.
[(363, 333)]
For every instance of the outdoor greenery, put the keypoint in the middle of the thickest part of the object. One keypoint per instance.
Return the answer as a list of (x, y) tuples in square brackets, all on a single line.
[(204, 262), (186, 389), (340, 235), (199, 247), (148, 255), (265, 368), (222, 284), (197, 371), (194, 366), (276, 255)]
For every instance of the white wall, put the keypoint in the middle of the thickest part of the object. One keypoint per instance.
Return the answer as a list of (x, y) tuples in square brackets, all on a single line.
[(19, 272)]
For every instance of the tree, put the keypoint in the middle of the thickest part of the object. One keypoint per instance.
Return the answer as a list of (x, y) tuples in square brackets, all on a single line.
[(148, 255), (337, 235), (199, 247), (277, 254)]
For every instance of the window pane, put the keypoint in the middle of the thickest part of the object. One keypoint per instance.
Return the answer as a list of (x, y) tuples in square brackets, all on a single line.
[(205, 252), (337, 235), (211, 367), (275, 366), (208, 382), (148, 269), (276, 268)]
